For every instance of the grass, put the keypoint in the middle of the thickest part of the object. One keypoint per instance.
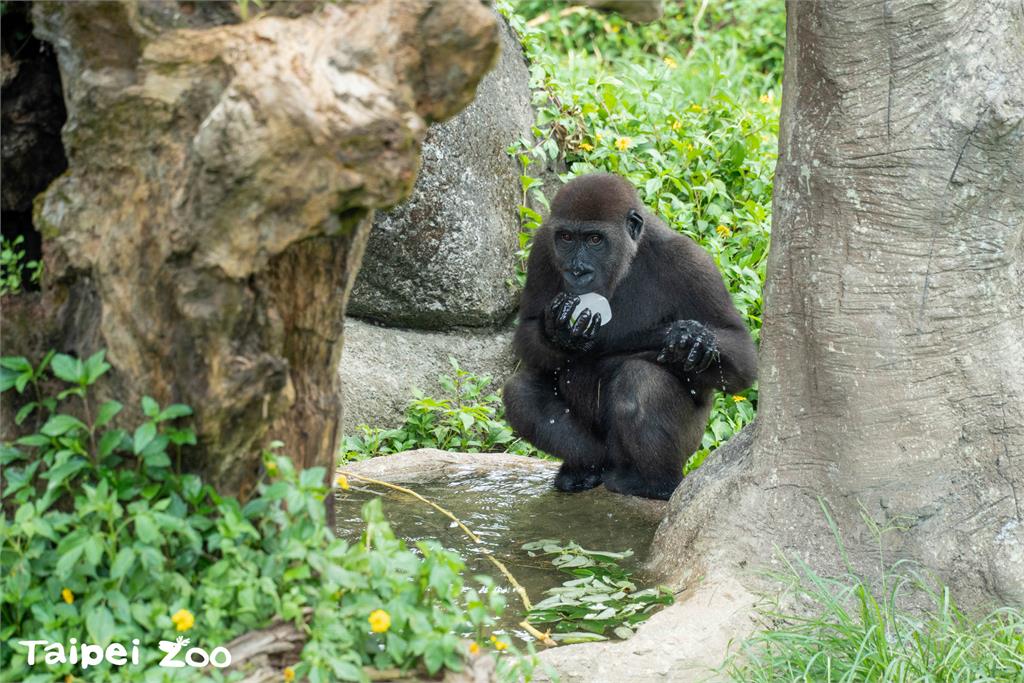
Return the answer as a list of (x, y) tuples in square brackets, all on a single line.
[(904, 627), (858, 632)]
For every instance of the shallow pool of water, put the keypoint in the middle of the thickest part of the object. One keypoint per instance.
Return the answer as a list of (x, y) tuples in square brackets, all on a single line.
[(507, 508)]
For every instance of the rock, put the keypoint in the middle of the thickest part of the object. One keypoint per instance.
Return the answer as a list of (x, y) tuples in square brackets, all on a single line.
[(637, 11), (682, 643), (380, 366), (220, 188), (445, 257), (425, 465)]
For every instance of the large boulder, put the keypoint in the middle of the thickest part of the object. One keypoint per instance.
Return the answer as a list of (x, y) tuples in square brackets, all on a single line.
[(446, 256), (381, 366)]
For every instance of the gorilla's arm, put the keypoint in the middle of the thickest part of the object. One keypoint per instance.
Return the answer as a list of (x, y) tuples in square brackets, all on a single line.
[(698, 334), (729, 345), (530, 345)]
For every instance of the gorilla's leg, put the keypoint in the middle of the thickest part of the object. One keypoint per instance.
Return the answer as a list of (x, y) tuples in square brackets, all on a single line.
[(543, 418), (654, 424)]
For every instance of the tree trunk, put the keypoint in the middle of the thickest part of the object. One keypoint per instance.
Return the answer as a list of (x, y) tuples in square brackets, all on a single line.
[(221, 184), (892, 355)]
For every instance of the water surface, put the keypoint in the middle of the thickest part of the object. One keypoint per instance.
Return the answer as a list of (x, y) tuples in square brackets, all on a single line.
[(507, 508)]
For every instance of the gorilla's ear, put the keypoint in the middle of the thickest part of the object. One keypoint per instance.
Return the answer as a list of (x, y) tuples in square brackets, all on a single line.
[(634, 221)]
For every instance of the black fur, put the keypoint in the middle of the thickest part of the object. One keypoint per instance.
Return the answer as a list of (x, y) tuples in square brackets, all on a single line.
[(626, 403)]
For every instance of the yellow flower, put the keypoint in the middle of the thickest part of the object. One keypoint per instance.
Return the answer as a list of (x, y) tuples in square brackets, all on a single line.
[(670, 63), (610, 28), (380, 621), (474, 649), (343, 482), (586, 147), (767, 97), (183, 620), (723, 231), (622, 144), (677, 125), (289, 674), (68, 596), (498, 645), (271, 468), (696, 108), (597, 138), (739, 399)]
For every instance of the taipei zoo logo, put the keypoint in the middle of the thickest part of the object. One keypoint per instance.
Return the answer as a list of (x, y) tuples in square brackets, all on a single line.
[(176, 656)]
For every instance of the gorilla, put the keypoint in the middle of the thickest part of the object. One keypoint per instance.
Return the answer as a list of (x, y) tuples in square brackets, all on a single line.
[(620, 390)]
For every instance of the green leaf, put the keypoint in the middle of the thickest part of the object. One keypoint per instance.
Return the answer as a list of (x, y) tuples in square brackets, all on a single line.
[(157, 459), (8, 379), (67, 368), (99, 622), (107, 412), (67, 561), (174, 411), (143, 435), (147, 530), (95, 367), (122, 563), (24, 412), (150, 407), (59, 425), (18, 364), (37, 440), (109, 441)]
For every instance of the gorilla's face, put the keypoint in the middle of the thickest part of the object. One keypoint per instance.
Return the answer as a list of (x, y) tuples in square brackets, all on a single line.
[(593, 256)]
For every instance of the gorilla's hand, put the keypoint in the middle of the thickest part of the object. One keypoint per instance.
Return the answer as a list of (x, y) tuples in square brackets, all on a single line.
[(570, 335), (690, 343)]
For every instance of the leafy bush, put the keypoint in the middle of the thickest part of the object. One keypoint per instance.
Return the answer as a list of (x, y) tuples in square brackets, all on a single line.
[(105, 540), (466, 418), (13, 264), (601, 599), (686, 108)]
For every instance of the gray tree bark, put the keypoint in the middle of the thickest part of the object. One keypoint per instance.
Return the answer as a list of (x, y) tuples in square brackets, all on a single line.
[(222, 178), (892, 355)]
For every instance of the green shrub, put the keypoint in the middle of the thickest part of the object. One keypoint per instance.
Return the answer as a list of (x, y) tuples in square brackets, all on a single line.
[(13, 266), (466, 418), (105, 541), (686, 108)]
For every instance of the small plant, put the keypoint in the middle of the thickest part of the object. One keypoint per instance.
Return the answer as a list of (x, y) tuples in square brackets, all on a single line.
[(467, 418), (14, 268), (104, 540), (601, 599)]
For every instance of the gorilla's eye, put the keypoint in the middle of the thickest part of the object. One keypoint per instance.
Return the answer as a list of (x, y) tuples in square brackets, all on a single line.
[(595, 239), (565, 236)]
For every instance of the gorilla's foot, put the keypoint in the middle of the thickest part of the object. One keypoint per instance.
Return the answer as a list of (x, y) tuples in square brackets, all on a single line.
[(630, 483), (574, 479)]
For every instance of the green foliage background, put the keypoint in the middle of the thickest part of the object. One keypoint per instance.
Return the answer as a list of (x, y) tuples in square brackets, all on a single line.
[(686, 108)]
